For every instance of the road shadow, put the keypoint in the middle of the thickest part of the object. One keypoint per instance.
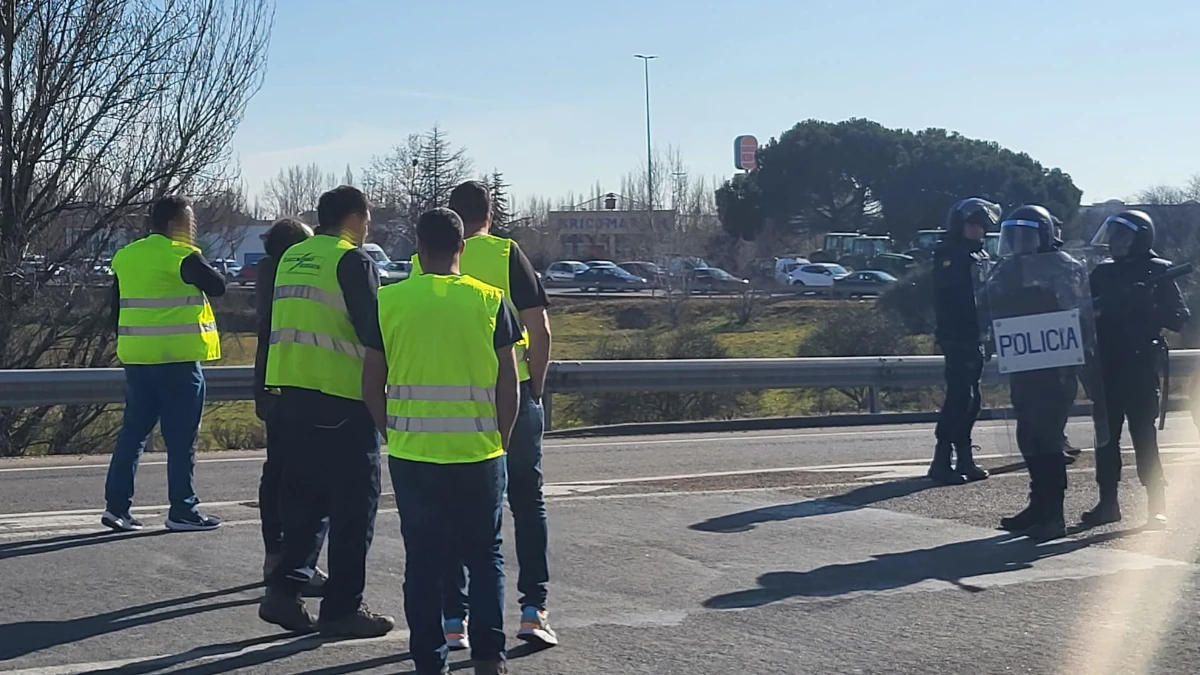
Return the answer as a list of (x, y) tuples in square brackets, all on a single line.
[(951, 563), (518, 652), (27, 637), (857, 498), (24, 547)]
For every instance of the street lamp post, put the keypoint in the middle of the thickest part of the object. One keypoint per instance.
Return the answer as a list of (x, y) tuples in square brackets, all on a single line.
[(646, 58)]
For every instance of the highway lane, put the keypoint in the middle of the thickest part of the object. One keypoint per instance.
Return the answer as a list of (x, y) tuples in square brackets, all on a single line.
[(75, 483), (847, 565)]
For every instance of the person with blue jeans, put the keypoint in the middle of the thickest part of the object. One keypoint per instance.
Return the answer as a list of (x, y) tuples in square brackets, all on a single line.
[(501, 263), (444, 389), (165, 329)]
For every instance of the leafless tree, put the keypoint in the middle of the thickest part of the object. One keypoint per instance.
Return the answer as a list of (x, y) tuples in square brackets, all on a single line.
[(222, 221), (296, 189), (104, 105)]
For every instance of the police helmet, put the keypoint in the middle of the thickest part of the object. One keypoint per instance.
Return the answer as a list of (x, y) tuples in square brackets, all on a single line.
[(1026, 230), (972, 210), (1129, 233)]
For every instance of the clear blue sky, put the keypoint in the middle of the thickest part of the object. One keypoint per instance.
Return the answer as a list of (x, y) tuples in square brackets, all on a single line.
[(549, 92)]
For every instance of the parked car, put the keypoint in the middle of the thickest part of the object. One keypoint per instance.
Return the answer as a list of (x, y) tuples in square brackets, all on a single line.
[(564, 271), (396, 270), (646, 270), (785, 265), (862, 284), (717, 280), (246, 274), (817, 276), (608, 279), (600, 263)]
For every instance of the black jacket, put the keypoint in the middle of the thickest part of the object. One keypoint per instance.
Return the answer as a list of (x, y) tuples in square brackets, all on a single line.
[(1126, 324), (959, 267)]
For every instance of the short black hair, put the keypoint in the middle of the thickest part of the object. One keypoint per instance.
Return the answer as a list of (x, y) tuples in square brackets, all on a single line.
[(440, 232), (167, 209), (338, 204), (472, 201), (284, 233)]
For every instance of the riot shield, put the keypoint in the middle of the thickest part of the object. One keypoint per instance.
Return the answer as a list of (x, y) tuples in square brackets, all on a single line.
[(1041, 323)]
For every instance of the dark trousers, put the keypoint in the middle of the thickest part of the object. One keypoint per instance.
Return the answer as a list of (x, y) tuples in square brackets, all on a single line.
[(172, 396), (270, 490), (525, 499), (1131, 391), (445, 506), (964, 368), (330, 470), (1041, 404)]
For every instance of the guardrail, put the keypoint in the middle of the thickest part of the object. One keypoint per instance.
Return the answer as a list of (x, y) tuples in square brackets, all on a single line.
[(42, 387)]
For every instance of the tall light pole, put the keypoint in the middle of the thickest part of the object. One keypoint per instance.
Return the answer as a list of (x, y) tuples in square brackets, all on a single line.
[(646, 58)]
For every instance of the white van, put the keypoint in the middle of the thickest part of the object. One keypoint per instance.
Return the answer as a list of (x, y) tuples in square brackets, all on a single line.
[(785, 265)]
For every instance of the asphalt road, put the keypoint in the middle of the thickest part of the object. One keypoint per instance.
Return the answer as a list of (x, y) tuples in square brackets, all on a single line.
[(815, 551)]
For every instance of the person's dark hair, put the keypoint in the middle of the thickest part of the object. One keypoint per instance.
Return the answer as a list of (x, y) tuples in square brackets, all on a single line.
[(440, 232), (284, 233), (472, 202), (167, 209), (339, 203)]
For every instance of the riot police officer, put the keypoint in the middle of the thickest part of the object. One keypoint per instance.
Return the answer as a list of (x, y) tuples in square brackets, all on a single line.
[(959, 266), (1026, 283), (1133, 309)]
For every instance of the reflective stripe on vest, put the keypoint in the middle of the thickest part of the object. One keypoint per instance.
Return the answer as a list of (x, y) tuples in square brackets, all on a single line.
[(180, 329), (161, 319), (441, 384), (441, 425), (162, 303), (487, 258), (304, 337), (313, 344)]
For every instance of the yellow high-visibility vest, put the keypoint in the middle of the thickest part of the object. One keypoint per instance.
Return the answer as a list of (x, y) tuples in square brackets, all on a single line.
[(313, 343), (487, 258), (162, 319), (442, 369)]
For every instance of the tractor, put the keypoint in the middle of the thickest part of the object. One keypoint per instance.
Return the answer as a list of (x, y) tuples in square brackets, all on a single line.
[(923, 245)]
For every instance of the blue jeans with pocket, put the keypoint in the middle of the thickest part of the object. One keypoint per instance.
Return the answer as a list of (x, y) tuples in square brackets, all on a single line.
[(445, 507), (528, 505), (170, 395)]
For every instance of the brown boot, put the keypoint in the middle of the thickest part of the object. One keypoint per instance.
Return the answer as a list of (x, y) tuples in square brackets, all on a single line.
[(363, 623)]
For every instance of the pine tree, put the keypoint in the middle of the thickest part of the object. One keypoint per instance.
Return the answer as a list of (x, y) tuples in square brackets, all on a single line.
[(440, 168), (498, 191), (348, 179)]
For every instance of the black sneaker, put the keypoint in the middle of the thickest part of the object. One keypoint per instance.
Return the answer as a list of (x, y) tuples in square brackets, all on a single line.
[(193, 522), (493, 667), (289, 613), (122, 523), (363, 623)]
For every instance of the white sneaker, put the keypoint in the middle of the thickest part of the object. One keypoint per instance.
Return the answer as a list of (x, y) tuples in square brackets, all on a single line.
[(456, 634), (123, 523)]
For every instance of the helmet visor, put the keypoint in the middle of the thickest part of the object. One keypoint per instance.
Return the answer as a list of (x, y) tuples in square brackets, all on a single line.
[(1019, 237), (1115, 234), (980, 212)]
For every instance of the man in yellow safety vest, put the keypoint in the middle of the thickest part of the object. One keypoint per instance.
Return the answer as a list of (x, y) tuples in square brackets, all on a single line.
[(322, 319), (165, 329), (501, 263), (444, 389)]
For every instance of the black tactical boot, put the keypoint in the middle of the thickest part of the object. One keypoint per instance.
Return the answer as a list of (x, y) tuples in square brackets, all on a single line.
[(1051, 487), (1108, 510), (1025, 519), (1053, 524), (1156, 507), (966, 463), (940, 471)]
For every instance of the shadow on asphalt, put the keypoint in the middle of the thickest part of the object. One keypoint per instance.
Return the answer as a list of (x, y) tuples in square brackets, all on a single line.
[(26, 547), (520, 651), (950, 563), (28, 637), (854, 499)]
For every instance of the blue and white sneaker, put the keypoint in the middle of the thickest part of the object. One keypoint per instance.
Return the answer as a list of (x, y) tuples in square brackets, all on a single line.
[(120, 523), (193, 522), (456, 634), (535, 628)]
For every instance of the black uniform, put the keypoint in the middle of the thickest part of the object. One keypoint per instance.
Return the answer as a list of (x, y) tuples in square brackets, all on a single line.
[(959, 268), (1131, 318), (1041, 399)]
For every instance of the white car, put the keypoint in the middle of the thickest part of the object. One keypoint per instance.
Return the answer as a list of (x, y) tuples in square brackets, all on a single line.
[(564, 271), (785, 265), (818, 276)]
